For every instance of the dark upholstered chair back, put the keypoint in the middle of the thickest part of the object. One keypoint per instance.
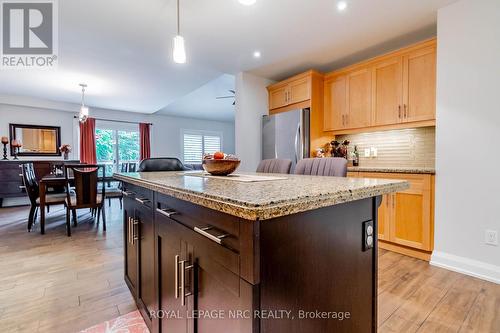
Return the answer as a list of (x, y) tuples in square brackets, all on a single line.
[(30, 182), (275, 166), (330, 166), (161, 164), (86, 178)]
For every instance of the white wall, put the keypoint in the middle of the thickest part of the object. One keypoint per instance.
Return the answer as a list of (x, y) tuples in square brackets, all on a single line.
[(467, 136), (165, 134), (251, 105)]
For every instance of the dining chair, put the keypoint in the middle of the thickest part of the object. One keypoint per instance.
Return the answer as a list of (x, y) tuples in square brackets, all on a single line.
[(275, 165), (87, 195), (124, 167), (33, 190), (161, 164), (329, 166)]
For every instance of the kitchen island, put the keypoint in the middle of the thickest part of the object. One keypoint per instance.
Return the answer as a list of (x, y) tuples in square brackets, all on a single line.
[(285, 254)]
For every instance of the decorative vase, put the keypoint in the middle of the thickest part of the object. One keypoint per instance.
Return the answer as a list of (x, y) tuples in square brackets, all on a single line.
[(66, 155), (16, 151)]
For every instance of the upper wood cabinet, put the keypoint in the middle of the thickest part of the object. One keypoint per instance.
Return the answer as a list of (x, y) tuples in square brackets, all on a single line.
[(294, 90), (387, 91), (397, 90), (335, 107), (278, 97), (419, 85), (359, 99)]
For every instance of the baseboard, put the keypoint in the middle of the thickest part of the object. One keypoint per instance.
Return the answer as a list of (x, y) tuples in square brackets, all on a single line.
[(407, 251), (478, 269)]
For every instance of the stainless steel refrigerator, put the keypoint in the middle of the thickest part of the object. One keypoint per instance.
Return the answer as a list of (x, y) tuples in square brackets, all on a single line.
[(286, 135)]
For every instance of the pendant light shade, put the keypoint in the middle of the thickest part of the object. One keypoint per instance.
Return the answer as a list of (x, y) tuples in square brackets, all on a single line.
[(179, 47), (84, 110), (179, 50)]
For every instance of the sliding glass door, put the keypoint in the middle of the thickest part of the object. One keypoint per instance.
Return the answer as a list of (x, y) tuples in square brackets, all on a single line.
[(116, 147)]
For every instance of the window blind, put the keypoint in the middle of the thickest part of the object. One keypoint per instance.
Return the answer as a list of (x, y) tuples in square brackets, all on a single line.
[(196, 145)]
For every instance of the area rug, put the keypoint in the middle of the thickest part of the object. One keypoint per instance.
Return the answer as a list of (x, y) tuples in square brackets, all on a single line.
[(130, 323)]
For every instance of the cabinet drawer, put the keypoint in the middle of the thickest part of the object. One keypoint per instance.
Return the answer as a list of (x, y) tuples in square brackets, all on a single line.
[(11, 174), (205, 248), (12, 188), (139, 194), (194, 216)]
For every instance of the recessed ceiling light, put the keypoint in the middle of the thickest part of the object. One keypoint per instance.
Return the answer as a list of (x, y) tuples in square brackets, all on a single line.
[(256, 54), (341, 6), (247, 2)]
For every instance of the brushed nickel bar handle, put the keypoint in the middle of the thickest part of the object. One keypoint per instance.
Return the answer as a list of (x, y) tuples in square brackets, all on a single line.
[(167, 213), (183, 267), (128, 230), (177, 276), (22, 187), (127, 193), (203, 232), (142, 201), (135, 237)]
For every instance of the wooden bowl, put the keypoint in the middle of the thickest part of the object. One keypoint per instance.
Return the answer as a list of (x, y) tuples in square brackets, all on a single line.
[(220, 167)]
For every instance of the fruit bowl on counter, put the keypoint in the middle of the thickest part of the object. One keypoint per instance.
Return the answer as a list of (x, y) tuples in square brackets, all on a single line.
[(220, 164)]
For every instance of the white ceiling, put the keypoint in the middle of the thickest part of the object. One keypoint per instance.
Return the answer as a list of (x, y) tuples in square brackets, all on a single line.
[(122, 49), (202, 103)]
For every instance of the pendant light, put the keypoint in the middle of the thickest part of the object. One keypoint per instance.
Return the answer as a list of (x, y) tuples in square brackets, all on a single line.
[(84, 110), (179, 47)]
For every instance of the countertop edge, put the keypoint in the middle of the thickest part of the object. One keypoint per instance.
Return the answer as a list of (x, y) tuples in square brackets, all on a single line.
[(425, 171), (269, 211)]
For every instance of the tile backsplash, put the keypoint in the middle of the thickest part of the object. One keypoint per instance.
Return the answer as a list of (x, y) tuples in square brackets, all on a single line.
[(413, 147)]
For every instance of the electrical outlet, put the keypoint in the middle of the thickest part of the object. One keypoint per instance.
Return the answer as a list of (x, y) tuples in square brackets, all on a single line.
[(491, 237), (374, 152)]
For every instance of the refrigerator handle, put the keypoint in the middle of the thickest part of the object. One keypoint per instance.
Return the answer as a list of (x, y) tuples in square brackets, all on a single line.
[(297, 138)]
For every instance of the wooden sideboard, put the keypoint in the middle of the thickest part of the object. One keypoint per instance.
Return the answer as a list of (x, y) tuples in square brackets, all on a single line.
[(11, 181)]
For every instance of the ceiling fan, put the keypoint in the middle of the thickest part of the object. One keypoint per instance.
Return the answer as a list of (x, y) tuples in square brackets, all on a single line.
[(232, 96)]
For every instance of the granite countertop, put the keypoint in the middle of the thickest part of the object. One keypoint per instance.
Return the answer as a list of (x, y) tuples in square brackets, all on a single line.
[(262, 200), (419, 170)]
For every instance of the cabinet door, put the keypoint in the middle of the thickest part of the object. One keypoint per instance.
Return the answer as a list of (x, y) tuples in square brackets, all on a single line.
[(419, 85), (359, 91), (388, 92), (299, 90), (145, 232), (219, 288), (278, 97), (130, 255), (385, 212), (171, 250), (335, 107), (412, 214)]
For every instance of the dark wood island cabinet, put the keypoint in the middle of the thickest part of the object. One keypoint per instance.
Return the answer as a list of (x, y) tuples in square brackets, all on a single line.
[(199, 257)]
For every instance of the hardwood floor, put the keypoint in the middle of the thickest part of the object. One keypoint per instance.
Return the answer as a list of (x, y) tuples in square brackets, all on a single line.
[(53, 283)]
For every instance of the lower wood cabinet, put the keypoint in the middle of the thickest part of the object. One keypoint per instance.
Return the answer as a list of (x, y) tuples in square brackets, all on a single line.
[(406, 219), (195, 287), (139, 248)]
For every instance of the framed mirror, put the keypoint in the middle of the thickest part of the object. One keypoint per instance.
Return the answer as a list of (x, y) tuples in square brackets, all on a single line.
[(36, 140)]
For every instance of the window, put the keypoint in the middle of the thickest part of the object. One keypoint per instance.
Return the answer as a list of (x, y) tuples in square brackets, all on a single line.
[(196, 144), (115, 147)]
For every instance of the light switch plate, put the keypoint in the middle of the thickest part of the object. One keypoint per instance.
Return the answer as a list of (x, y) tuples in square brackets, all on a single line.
[(374, 152), (367, 152)]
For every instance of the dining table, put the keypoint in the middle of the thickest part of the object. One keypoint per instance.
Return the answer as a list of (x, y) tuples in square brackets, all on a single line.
[(53, 180)]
